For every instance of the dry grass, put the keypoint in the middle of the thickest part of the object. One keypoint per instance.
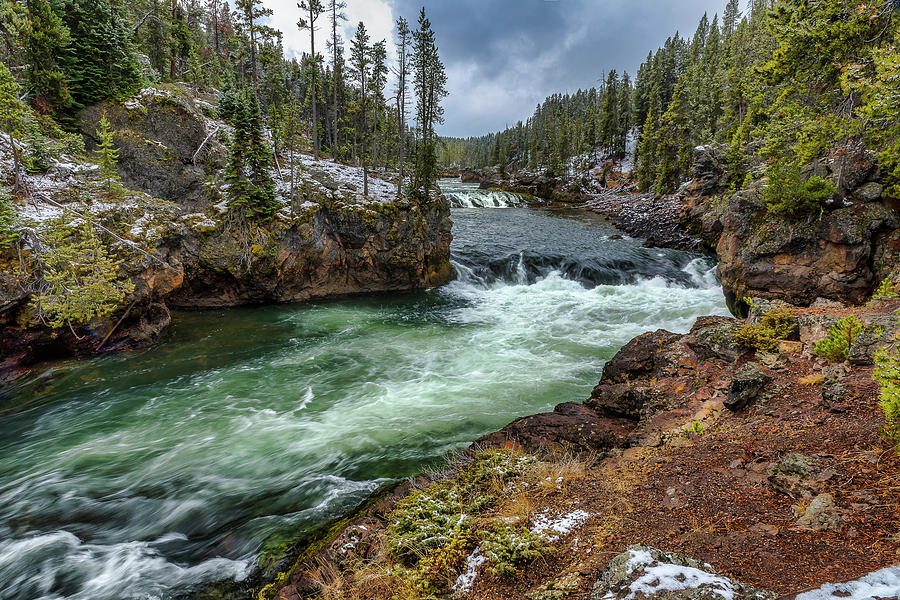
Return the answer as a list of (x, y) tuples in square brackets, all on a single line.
[(812, 379)]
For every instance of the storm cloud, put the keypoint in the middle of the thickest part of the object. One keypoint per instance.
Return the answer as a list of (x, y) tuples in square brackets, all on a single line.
[(505, 56)]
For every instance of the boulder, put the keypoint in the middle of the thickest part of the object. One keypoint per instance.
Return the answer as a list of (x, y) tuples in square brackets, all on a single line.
[(569, 428), (642, 356), (869, 192), (159, 134), (797, 476), (821, 515), (746, 387), (644, 572)]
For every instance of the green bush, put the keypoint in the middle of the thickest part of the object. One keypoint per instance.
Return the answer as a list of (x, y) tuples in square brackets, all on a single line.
[(790, 194), (836, 347), (80, 276), (775, 326), (508, 549), (887, 375), (9, 231), (887, 289)]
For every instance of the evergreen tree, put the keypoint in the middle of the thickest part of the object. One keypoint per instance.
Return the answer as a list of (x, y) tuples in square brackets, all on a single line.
[(430, 86), (361, 60), (337, 61), (107, 156), (12, 113), (404, 41), (99, 62), (46, 42), (249, 13), (312, 10)]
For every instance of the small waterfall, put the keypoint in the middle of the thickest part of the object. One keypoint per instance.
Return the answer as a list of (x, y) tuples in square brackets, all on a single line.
[(469, 195)]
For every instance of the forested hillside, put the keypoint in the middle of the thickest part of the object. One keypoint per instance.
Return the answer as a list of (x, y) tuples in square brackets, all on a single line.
[(784, 81), (60, 56)]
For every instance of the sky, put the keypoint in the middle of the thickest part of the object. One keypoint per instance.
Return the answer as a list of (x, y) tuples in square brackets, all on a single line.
[(503, 57)]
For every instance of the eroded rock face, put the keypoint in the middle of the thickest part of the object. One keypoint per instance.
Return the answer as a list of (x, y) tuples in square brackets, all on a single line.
[(325, 241), (841, 254), (644, 572)]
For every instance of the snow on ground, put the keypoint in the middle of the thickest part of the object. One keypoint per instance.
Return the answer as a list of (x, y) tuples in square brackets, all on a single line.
[(348, 180), (657, 577), (554, 527), (880, 584), (466, 580)]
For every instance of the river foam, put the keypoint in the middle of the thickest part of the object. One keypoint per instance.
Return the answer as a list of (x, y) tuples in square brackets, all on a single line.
[(149, 474)]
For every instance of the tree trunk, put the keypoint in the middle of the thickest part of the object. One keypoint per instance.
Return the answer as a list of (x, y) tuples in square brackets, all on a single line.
[(18, 185), (315, 68), (174, 56), (365, 131)]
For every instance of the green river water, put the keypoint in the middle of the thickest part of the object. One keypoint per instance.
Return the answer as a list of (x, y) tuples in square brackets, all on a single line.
[(147, 474)]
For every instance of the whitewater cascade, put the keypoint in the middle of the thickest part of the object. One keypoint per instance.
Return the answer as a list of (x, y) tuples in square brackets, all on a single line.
[(469, 195), (148, 474)]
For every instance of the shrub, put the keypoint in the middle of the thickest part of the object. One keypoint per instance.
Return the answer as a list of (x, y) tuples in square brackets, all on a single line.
[(789, 194), (775, 326), (887, 375), (427, 520), (887, 289), (80, 278), (836, 347), (9, 232), (508, 549)]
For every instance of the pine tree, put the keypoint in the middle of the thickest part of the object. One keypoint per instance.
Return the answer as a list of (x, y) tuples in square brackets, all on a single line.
[(100, 61), (47, 40), (430, 86), (361, 59), (404, 41), (107, 156), (312, 10), (250, 12), (12, 113), (337, 60), (377, 85)]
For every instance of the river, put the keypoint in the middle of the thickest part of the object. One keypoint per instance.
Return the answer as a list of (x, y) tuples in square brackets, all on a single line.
[(146, 474)]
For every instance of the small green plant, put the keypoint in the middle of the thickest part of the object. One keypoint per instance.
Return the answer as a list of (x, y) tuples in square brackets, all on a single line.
[(80, 278), (887, 289), (887, 375), (38, 158), (836, 347), (790, 194), (777, 325), (508, 549), (696, 428), (9, 231)]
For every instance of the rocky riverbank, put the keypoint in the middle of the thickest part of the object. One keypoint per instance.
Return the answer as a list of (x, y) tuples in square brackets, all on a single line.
[(178, 246), (748, 450), (763, 466)]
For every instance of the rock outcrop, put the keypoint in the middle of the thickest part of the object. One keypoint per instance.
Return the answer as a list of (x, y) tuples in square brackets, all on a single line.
[(644, 572), (841, 254), (182, 248)]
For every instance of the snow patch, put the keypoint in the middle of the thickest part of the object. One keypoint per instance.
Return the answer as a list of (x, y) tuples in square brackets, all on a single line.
[(664, 577), (552, 528), (466, 580), (880, 584)]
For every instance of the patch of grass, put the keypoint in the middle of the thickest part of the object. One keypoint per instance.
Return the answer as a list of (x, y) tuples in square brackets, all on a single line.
[(836, 347), (812, 380), (777, 325)]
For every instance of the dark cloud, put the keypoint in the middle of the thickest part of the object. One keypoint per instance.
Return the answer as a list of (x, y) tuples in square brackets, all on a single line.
[(504, 56)]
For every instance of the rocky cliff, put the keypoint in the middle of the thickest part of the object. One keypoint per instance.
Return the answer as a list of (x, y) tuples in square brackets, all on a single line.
[(841, 254), (180, 247)]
